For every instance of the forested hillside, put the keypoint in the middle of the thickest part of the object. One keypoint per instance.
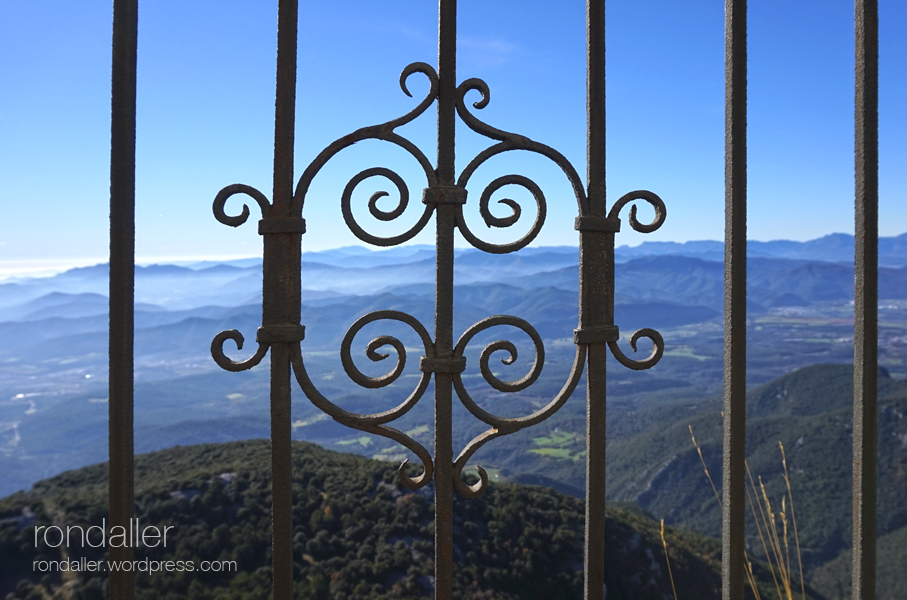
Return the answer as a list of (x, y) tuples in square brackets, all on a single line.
[(357, 534), (810, 412)]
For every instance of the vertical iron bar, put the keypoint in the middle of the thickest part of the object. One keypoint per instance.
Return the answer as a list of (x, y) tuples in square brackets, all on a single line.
[(122, 284), (733, 490), (447, 88), (595, 105), (443, 418), (866, 298), (444, 259), (281, 299), (596, 302), (281, 491), (285, 106), (594, 560)]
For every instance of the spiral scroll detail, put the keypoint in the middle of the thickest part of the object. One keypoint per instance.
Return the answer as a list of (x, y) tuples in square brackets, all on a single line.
[(661, 211), (507, 221), (373, 423), (658, 348), (509, 141), (382, 215), (500, 425), (224, 362), (220, 202), (384, 131), (507, 346)]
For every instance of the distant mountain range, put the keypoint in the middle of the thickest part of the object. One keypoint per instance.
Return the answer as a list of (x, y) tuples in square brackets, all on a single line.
[(53, 366), (835, 247), (781, 273), (53, 331)]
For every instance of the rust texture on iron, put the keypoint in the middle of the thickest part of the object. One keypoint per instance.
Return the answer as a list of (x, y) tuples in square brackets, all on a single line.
[(121, 490), (866, 297), (733, 486)]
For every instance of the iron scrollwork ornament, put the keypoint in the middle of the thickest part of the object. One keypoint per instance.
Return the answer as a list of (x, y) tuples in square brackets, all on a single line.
[(435, 193), (661, 213)]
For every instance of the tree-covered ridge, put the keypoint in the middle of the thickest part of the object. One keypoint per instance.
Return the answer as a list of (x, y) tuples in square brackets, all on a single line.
[(357, 534), (810, 411)]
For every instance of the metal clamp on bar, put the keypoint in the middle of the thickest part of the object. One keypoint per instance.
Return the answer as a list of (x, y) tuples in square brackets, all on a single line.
[(442, 365), (593, 223), (600, 334), (281, 225), (444, 194), (270, 334)]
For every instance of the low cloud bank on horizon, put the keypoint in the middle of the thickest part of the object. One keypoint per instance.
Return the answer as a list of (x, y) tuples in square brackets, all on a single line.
[(27, 268)]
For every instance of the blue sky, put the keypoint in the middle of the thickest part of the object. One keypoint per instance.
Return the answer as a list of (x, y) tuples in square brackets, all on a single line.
[(205, 115)]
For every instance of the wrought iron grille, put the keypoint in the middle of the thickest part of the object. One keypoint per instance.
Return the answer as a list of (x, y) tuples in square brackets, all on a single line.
[(444, 197)]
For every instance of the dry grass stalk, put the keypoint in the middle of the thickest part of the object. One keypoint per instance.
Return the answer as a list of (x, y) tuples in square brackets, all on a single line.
[(749, 565), (749, 496), (793, 515), (667, 560), (777, 556)]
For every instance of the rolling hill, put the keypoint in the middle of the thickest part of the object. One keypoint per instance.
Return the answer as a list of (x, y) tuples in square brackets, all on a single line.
[(810, 412), (357, 533)]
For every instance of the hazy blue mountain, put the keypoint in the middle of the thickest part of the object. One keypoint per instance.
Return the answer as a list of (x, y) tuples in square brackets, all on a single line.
[(58, 304), (835, 247), (16, 292), (552, 312), (167, 286), (359, 271), (16, 335), (53, 336), (364, 258), (236, 262), (178, 382), (688, 280), (63, 305)]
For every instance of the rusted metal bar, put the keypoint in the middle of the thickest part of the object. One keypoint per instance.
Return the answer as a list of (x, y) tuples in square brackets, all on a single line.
[(443, 458), (446, 213), (733, 487), (447, 90), (594, 558), (595, 105), (281, 298), (281, 491), (122, 284), (596, 305), (866, 298)]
